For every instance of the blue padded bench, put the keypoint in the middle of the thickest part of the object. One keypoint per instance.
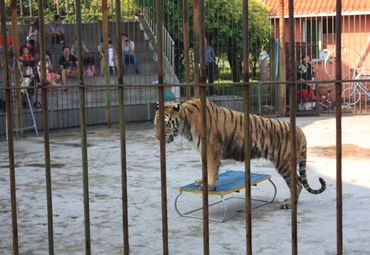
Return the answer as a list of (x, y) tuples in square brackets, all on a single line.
[(228, 182)]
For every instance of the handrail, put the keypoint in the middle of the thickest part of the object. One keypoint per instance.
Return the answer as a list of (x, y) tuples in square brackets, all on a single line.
[(168, 42)]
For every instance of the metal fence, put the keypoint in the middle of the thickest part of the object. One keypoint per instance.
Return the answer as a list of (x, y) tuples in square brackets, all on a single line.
[(83, 99)]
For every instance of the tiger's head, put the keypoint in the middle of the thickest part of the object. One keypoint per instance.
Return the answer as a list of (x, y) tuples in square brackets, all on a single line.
[(171, 122)]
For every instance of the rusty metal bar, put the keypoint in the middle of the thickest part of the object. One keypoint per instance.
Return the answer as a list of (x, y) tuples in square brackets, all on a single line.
[(338, 117), (122, 128), (282, 66), (159, 20), (293, 108), (198, 7), (16, 67), (186, 46), (247, 137), (83, 133), (45, 119), (196, 48), (8, 106), (105, 28)]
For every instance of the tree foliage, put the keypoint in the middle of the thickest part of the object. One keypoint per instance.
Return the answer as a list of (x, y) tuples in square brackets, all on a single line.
[(91, 10), (223, 26)]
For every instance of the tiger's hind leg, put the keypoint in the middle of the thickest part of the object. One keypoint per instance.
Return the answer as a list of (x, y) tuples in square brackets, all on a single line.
[(285, 173)]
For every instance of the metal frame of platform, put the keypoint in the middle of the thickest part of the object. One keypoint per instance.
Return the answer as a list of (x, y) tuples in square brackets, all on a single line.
[(222, 195)]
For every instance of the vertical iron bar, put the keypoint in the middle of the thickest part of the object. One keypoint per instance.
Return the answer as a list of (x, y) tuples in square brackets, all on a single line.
[(159, 20), (196, 47), (16, 69), (198, 6), (85, 174), (122, 127), (13, 197), (186, 46), (105, 29), (247, 139), (282, 55), (338, 116), (293, 107), (45, 119)]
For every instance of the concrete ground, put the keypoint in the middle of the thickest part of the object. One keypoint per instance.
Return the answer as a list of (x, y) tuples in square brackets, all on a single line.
[(271, 226)]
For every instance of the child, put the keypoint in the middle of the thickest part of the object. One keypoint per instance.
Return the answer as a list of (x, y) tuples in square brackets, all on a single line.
[(112, 59), (51, 76), (27, 58)]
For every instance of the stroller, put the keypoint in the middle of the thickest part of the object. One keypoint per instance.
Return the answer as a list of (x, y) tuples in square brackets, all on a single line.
[(28, 82)]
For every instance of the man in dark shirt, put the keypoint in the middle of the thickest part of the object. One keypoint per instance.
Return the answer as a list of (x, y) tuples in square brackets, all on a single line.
[(305, 73), (68, 66)]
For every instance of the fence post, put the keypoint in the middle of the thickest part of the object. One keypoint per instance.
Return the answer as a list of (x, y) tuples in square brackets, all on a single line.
[(246, 128), (186, 47), (159, 19), (85, 174), (282, 56), (293, 108), (105, 24), (13, 197), (45, 119), (198, 7), (122, 127), (338, 117), (16, 67)]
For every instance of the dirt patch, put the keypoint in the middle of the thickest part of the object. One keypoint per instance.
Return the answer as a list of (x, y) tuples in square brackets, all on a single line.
[(348, 150)]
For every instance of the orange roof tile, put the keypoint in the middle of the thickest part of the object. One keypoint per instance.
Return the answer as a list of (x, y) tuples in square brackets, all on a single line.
[(314, 7)]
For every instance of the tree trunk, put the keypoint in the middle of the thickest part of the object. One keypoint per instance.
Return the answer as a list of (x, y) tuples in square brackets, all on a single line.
[(233, 60)]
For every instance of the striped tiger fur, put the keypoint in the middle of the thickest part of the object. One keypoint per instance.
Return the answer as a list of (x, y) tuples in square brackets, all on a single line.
[(270, 139)]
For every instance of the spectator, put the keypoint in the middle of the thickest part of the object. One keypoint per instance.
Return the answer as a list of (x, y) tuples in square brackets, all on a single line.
[(112, 59), (33, 32), (210, 64), (128, 48), (51, 76), (32, 48), (88, 61), (55, 30), (68, 66), (27, 58), (101, 54), (9, 44), (305, 73)]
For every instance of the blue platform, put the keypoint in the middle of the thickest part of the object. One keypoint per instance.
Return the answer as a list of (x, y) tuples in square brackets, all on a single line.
[(228, 182)]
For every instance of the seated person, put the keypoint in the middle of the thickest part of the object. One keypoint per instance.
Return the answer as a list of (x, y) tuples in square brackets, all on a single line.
[(27, 58), (88, 60), (51, 76), (128, 48), (68, 66)]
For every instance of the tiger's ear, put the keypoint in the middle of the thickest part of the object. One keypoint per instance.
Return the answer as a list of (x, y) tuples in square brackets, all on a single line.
[(176, 108), (157, 106)]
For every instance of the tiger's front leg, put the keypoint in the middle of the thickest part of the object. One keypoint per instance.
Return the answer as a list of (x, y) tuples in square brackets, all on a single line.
[(213, 166)]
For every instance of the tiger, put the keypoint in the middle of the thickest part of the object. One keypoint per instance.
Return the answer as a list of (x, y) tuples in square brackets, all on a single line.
[(270, 139)]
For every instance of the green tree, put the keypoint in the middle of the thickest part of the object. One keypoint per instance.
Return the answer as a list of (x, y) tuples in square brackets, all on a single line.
[(223, 25)]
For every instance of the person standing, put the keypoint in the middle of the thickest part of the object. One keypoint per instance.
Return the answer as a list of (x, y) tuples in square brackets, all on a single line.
[(305, 73), (128, 48), (33, 32), (55, 30), (210, 59)]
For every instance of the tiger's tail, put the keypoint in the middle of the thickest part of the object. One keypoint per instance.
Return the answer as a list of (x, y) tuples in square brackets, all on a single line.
[(303, 177)]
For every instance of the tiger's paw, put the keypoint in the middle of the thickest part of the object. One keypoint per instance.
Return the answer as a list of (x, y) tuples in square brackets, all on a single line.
[(286, 204), (199, 183)]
